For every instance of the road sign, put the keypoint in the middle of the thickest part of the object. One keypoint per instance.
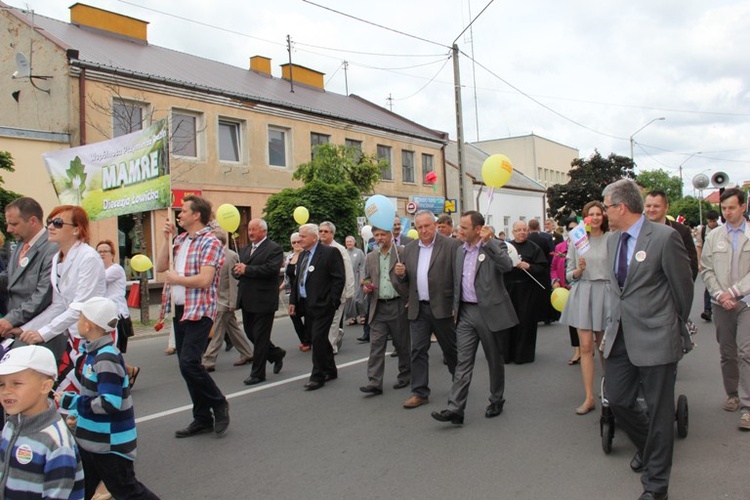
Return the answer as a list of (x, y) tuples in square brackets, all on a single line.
[(411, 208), (450, 206), (435, 204)]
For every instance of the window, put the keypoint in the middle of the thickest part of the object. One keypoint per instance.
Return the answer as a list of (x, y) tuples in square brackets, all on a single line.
[(316, 140), (355, 147), (407, 166), (229, 141), (384, 153), (184, 134), (427, 165), (277, 146), (127, 117)]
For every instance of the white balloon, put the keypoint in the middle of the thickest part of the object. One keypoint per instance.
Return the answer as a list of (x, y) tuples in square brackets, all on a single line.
[(366, 233), (513, 253)]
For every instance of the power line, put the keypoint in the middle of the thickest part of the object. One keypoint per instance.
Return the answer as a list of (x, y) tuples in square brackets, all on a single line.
[(426, 84), (380, 54)]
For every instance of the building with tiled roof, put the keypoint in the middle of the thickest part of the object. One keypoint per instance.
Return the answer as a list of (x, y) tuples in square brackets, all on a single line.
[(237, 133)]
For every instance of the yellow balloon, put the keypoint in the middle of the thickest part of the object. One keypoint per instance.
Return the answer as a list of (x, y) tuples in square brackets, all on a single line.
[(301, 215), (559, 298), (140, 263), (228, 217), (413, 234), (497, 171)]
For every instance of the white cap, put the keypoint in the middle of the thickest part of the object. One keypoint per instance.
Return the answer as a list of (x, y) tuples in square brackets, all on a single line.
[(100, 311), (35, 357)]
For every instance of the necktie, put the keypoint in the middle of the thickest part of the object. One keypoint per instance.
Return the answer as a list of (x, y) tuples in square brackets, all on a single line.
[(24, 250), (303, 268), (253, 248), (622, 260)]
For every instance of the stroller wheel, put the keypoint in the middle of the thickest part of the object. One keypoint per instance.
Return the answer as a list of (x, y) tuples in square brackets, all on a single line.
[(682, 416), (607, 429)]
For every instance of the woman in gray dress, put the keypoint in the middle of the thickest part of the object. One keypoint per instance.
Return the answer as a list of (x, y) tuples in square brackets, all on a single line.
[(587, 308)]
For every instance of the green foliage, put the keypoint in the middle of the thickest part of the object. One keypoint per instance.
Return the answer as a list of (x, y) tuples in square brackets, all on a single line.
[(661, 180), (688, 208), (588, 178), (337, 164), (6, 163), (339, 203)]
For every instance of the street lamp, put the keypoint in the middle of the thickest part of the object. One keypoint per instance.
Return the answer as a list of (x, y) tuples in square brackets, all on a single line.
[(633, 134), (680, 168)]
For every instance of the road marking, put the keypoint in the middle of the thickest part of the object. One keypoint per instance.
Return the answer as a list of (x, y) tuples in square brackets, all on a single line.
[(245, 392)]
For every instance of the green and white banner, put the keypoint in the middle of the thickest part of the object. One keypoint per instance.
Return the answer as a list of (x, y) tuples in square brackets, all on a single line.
[(124, 175)]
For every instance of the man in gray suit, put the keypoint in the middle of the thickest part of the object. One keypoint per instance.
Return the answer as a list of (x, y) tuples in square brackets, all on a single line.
[(387, 296), (650, 299), (428, 269), (483, 309), (399, 239), (27, 279)]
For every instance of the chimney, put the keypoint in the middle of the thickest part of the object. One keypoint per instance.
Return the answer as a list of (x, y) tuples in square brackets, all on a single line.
[(261, 65), (300, 74), (85, 16)]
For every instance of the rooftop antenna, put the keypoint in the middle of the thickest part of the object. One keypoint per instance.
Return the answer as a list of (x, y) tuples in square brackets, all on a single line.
[(390, 102), (346, 78), (289, 49)]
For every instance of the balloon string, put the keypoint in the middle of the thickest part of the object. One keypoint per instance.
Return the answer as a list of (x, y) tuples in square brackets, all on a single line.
[(489, 202)]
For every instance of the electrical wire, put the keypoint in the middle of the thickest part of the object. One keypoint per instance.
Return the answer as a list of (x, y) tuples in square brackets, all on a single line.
[(366, 53), (426, 84)]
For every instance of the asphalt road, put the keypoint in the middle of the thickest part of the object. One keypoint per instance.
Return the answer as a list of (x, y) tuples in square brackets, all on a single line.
[(336, 443)]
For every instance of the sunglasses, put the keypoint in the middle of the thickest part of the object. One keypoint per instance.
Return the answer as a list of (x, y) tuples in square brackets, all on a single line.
[(58, 223)]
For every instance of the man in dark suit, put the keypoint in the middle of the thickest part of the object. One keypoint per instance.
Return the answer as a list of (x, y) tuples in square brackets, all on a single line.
[(428, 269), (650, 301), (258, 297), (483, 309), (656, 207), (399, 239), (316, 293), (27, 279), (387, 296)]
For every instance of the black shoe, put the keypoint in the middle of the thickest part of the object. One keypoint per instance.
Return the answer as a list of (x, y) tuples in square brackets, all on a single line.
[(330, 377), (650, 495), (637, 462), (229, 346), (448, 416), (394, 354), (221, 419), (253, 380), (313, 385), (363, 339), (706, 315), (494, 409), (194, 428), (368, 389), (279, 363), (401, 384)]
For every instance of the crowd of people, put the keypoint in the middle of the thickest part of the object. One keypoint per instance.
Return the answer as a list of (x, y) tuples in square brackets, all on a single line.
[(629, 301)]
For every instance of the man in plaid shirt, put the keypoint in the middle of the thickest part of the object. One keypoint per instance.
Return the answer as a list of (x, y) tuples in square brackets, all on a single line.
[(192, 285)]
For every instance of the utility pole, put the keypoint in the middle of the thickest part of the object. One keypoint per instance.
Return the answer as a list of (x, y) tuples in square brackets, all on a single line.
[(389, 99), (459, 128), (289, 49), (346, 77)]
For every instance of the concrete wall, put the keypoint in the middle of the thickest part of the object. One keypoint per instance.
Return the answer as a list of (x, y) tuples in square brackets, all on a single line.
[(510, 204)]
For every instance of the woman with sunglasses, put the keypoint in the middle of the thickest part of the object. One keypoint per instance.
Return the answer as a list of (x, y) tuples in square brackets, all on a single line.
[(116, 288), (290, 269), (77, 275)]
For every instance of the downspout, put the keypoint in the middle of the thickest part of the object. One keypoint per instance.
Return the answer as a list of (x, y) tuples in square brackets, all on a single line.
[(82, 106)]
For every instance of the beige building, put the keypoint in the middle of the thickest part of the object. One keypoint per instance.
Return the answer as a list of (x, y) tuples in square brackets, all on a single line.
[(237, 134), (545, 161)]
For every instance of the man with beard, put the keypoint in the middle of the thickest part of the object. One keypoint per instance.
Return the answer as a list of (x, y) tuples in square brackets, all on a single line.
[(519, 344)]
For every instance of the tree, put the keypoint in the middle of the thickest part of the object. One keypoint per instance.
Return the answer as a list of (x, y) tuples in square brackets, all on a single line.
[(661, 180), (688, 208), (6, 163), (339, 203), (334, 164), (588, 178)]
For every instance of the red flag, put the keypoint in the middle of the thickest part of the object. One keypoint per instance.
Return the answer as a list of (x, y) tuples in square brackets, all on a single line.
[(680, 219)]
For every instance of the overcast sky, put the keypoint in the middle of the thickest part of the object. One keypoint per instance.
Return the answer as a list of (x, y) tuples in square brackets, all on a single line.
[(604, 69)]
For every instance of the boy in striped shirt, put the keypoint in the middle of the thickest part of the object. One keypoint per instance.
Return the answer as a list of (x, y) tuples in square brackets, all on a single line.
[(105, 430), (38, 456)]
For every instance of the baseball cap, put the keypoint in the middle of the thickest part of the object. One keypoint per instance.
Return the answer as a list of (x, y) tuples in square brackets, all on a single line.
[(36, 357), (99, 310)]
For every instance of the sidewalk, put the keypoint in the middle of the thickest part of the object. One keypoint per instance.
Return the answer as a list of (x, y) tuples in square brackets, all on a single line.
[(147, 331)]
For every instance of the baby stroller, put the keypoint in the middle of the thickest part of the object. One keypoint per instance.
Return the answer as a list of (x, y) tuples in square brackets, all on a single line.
[(607, 418)]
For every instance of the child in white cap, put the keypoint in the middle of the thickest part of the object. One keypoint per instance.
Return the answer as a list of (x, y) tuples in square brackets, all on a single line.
[(106, 422), (38, 455)]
